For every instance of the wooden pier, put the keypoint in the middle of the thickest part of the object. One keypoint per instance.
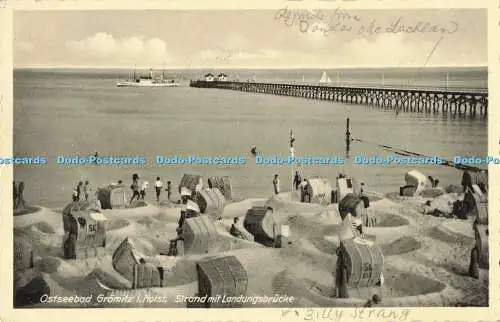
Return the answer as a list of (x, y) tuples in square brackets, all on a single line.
[(456, 102)]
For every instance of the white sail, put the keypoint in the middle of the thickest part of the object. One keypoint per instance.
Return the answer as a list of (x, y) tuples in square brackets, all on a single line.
[(325, 78)]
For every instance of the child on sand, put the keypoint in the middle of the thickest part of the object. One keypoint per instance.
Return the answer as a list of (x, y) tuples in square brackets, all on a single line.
[(143, 189)]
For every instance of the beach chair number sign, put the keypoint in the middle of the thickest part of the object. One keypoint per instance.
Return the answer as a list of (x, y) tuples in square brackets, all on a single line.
[(91, 232), (91, 229)]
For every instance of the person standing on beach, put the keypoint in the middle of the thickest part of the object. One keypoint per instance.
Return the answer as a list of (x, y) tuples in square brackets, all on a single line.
[(276, 184), (20, 197), (15, 194), (75, 195), (158, 186), (79, 190), (169, 190), (303, 191), (143, 189), (135, 187), (87, 189), (297, 180)]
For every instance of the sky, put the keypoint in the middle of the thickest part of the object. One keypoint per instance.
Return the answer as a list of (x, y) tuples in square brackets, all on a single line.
[(249, 39)]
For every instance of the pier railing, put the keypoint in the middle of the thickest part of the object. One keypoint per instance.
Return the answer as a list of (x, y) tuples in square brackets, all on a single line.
[(447, 100)]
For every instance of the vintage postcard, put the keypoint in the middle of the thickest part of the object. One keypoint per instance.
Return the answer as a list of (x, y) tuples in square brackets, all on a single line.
[(296, 160)]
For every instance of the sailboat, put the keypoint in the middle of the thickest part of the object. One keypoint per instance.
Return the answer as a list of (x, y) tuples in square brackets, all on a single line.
[(325, 78), (149, 81)]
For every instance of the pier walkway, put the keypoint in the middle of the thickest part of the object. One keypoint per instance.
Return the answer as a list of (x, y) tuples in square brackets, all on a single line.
[(461, 102)]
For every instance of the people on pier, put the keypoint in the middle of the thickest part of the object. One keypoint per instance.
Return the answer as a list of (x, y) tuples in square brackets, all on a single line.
[(158, 186), (276, 184)]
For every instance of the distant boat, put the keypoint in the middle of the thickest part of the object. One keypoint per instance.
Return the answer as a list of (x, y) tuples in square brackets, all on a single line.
[(325, 78), (149, 81)]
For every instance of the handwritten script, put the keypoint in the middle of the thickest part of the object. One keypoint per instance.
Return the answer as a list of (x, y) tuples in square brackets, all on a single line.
[(337, 315), (341, 21)]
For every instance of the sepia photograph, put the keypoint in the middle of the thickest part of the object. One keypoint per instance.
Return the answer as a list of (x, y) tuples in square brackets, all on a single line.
[(287, 158)]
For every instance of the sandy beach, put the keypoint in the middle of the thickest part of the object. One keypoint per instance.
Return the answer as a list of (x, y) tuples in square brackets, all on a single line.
[(426, 258)]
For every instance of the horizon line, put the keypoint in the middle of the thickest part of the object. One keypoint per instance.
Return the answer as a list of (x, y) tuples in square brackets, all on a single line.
[(253, 67)]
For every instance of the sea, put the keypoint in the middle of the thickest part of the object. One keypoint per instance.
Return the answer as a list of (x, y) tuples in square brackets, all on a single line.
[(77, 112)]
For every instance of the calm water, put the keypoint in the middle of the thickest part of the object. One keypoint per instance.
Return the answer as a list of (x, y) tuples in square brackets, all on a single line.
[(80, 112)]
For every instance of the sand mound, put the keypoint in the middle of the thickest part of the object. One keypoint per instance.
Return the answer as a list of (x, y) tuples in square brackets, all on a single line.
[(50, 218), (49, 264), (144, 210), (400, 246), (385, 219), (374, 198), (42, 285), (449, 236), (108, 276), (27, 210), (290, 201), (183, 272), (405, 284), (117, 224), (432, 192), (170, 214), (142, 245), (146, 221), (463, 228), (403, 287), (454, 189), (44, 227), (240, 208)]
